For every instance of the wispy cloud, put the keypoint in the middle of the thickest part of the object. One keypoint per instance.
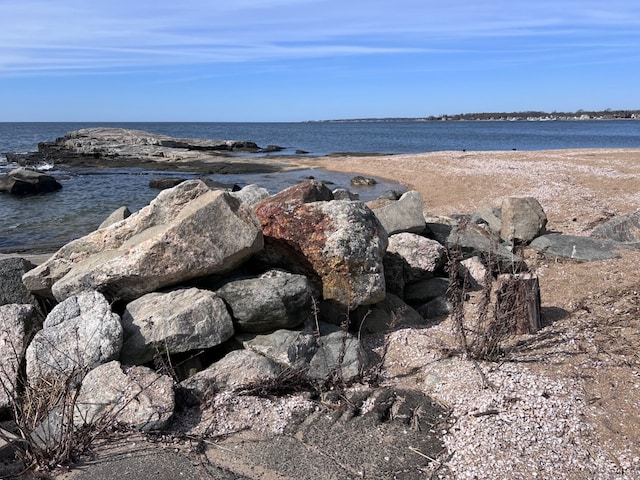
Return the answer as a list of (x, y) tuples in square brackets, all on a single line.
[(76, 36)]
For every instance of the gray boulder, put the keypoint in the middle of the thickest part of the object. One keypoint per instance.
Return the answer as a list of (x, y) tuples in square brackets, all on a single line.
[(338, 355), (474, 240), (394, 277), (12, 290), (425, 290), (523, 219), (251, 194), (332, 352), (423, 256), (360, 181), (586, 249), (437, 307), (271, 301), (344, 194), (624, 229), (490, 216), (339, 244), (235, 369), (134, 396), (173, 322), (16, 321), (292, 348), (78, 335), (384, 316), (24, 181), (186, 232), (117, 215), (403, 215)]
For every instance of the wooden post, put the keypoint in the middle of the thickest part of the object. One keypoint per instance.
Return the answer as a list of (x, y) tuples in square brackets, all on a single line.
[(518, 303)]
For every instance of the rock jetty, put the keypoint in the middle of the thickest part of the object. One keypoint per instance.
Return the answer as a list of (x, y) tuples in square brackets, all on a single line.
[(246, 287)]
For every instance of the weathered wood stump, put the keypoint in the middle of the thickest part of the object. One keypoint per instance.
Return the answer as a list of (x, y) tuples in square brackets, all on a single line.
[(517, 304)]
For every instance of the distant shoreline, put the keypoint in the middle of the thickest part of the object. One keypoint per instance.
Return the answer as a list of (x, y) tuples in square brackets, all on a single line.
[(579, 115)]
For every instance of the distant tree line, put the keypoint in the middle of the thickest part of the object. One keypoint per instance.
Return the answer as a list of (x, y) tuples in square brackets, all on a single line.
[(533, 115)]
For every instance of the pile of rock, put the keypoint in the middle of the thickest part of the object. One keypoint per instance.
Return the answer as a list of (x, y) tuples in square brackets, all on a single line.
[(242, 285)]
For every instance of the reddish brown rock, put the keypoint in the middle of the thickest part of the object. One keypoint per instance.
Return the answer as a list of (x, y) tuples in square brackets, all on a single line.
[(341, 243)]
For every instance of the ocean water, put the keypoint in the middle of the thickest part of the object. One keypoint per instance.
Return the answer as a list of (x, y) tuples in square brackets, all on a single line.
[(89, 196)]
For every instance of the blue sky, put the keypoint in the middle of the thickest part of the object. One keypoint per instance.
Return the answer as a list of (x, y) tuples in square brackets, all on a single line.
[(293, 60)]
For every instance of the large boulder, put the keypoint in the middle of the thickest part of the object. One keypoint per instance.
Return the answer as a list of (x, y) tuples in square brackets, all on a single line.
[(422, 256), (135, 396), (173, 322), (523, 219), (275, 299), (12, 290), (235, 369), (186, 232), (330, 351), (24, 181), (403, 215), (340, 244), (78, 335), (16, 322), (624, 229)]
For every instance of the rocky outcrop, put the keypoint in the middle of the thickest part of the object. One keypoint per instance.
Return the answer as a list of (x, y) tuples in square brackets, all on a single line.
[(78, 335), (387, 315), (173, 322), (188, 231), (305, 192), (472, 239), (360, 181), (23, 181)]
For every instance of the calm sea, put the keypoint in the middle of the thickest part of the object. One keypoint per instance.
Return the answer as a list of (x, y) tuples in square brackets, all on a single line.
[(88, 197)]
